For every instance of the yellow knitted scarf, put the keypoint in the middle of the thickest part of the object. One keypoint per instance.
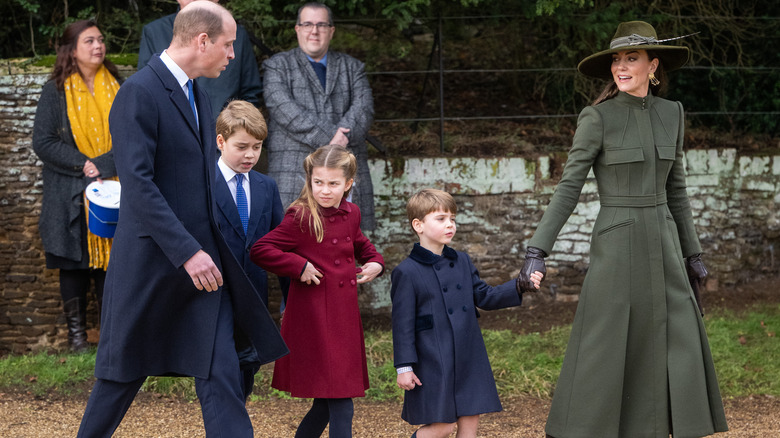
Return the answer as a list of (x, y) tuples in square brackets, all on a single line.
[(88, 116)]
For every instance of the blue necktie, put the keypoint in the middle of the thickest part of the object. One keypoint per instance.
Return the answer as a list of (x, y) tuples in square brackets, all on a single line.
[(243, 208), (320, 69), (192, 100)]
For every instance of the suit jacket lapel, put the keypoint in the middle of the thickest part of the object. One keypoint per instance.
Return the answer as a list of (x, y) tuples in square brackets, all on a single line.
[(258, 194), (226, 205), (177, 95)]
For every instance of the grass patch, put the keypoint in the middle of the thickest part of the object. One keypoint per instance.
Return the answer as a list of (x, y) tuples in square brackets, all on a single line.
[(744, 348)]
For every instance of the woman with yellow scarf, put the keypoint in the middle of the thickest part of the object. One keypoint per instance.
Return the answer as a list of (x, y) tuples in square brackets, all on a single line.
[(72, 139)]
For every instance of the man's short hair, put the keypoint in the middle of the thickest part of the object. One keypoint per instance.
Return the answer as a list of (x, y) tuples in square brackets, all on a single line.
[(192, 21), (240, 114), (429, 200), (315, 5)]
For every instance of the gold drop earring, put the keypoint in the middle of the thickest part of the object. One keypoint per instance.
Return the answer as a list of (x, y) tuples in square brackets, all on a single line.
[(654, 80)]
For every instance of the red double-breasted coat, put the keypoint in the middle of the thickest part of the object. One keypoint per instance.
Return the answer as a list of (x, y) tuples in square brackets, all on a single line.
[(321, 323)]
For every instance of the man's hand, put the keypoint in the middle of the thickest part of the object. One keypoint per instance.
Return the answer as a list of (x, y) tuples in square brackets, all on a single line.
[(368, 272), (203, 272), (340, 138), (310, 273), (407, 381)]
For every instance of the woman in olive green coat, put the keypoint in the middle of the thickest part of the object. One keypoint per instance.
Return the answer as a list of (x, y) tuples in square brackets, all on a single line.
[(638, 363)]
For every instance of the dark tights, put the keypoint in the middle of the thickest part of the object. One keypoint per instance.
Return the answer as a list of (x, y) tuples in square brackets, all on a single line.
[(74, 283), (336, 411)]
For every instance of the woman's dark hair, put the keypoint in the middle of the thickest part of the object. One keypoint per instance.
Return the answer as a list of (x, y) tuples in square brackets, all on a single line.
[(611, 89), (66, 64)]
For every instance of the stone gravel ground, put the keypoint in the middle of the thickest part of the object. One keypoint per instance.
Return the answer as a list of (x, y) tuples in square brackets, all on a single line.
[(151, 416)]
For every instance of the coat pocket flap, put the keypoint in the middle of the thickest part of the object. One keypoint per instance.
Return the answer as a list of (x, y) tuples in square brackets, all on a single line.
[(423, 322), (623, 155), (666, 152)]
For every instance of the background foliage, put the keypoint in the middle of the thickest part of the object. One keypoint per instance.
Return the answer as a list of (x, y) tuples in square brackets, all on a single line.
[(525, 51)]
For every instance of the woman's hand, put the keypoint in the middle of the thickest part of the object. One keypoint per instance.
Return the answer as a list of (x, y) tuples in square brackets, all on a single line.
[(311, 274), (408, 380), (90, 170), (368, 272)]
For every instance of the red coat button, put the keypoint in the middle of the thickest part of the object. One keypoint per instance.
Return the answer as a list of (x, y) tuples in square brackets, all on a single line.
[(352, 282), (332, 219), (334, 241), (337, 262)]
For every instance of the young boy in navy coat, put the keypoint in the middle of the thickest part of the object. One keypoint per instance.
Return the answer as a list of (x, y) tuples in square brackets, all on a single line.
[(438, 348), (248, 211)]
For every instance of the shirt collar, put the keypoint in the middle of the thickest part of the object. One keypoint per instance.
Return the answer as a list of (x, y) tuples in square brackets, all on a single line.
[(177, 72), (425, 256), (227, 172), (323, 61)]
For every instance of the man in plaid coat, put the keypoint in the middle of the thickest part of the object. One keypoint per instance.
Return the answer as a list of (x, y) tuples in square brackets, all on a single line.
[(317, 97)]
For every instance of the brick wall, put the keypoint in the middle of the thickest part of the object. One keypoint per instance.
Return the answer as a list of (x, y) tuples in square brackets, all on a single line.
[(735, 200)]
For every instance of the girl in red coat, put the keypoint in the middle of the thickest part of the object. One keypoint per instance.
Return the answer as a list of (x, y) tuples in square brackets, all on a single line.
[(318, 242)]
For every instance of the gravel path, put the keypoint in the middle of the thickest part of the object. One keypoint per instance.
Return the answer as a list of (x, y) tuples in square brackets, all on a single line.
[(150, 416)]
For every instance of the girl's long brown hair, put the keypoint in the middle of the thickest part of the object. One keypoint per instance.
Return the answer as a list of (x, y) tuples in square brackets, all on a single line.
[(332, 156), (66, 64), (611, 90)]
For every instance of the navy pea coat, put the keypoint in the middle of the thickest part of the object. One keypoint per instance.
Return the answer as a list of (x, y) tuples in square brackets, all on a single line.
[(155, 322), (265, 214), (435, 330)]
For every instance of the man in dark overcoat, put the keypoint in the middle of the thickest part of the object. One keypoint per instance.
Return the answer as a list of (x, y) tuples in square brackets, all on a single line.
[(317, 97), (173, 290)]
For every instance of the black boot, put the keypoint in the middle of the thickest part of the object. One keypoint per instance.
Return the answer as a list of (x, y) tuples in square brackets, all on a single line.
[(76, 318)]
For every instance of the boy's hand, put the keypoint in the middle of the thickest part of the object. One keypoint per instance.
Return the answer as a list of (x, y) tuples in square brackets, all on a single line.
[(408, 381), (310, 273), (368, 272)]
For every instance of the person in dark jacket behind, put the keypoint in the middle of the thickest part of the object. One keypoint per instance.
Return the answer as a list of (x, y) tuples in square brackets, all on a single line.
[(438, 350), (72, 139), (638, 363)]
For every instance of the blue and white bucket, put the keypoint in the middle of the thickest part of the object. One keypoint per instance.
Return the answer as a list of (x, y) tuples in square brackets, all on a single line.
[(103, 206)]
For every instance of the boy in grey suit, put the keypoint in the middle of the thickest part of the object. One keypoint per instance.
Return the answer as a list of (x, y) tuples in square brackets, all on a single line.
[(317, 97)]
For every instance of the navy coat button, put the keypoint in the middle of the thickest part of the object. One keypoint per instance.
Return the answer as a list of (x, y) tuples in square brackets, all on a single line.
[(438, 267), (452, 264), (465, 309), (444, 288), (459, 286), (450, 311)]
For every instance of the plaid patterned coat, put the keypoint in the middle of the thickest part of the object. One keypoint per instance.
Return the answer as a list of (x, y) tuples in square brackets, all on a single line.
[(303, 116)]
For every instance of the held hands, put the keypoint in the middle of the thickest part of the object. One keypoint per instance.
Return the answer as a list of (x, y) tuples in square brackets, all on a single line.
[(368, 272), (407, 381), (203, 271), (311, 274), (341, 137), (532, 272)]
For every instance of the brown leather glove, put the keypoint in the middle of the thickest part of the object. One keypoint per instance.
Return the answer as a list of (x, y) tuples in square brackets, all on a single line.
[(696, 274), (534, 261)]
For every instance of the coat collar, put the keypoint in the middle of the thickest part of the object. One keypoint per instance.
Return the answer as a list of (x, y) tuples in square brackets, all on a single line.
[(424, 256), (343, 208)]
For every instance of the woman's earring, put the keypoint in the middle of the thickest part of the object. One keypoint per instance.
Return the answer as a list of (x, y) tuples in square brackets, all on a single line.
[(654, 80)]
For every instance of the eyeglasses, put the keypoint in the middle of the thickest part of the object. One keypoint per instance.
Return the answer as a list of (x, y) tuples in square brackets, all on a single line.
[(307, 26)]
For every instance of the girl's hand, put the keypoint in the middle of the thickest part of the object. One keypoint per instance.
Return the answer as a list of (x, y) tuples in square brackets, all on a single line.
[(310, 273), (368, 272), (407, 381)]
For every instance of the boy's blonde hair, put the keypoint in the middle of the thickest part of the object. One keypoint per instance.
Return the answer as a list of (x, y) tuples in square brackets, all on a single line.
[(332, 156), (429, 200), (240, 114)]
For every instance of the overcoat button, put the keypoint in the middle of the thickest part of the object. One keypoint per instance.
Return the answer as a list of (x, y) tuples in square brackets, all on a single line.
[(459, 286), (452, 264), (438, 267), (465, 309), (337, 262), (332, 219), (341, 284), (444, 288), (352, 282), (349, 259), (349, 239), (344, 218), (450, 311), (334, 241)]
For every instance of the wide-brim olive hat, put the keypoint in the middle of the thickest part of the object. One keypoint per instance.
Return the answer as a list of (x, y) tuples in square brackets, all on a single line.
[(634, 35)]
